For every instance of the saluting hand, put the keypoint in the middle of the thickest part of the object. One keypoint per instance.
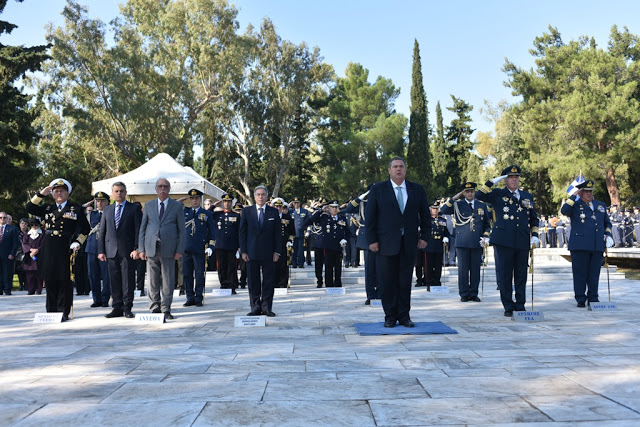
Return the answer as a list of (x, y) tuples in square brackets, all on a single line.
[(46, 190)]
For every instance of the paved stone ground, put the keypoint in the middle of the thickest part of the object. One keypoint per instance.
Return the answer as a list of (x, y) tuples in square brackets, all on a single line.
[(310, 367)]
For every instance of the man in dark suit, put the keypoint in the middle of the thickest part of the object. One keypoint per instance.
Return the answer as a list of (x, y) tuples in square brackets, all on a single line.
[(395, 209), (9, 243), (260, 243), (118, 245), (161, 242)]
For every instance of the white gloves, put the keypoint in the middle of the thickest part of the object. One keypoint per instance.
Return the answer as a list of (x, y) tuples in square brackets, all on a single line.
[(609, 241), (343, 243), (484, 242), (363, 195), (74, 246), (289, 244), (498, 179), (237, 254), (307, 234), (535, 242), (445, 240), (208, 251)]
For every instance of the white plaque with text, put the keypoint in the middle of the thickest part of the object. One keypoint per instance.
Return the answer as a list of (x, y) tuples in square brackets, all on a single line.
[(151, 318), (47, 318), (528, 316), (336, 291), (376, 303), (249, 321), (603, 306), (439, 289), (220, 292), (136, 293), (280, 292)]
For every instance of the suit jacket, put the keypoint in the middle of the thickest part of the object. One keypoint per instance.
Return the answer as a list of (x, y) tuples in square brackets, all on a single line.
[(124, 240), (385, 221), (10, 242), (588, 227), (259, 243), (468, 235), (171, 229)]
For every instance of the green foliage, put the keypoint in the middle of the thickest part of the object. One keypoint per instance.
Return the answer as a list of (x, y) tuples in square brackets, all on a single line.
[(458, 137), (441, 158)]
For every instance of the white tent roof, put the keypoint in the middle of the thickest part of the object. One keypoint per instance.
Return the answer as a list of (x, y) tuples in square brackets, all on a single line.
[(142, 181)]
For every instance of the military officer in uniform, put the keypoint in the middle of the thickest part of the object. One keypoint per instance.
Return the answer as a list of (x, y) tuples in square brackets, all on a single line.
[(590, 233), (242, 266), (432, 254), (98, 270), (543, 231), (316, 241), (200, 237), (334, 233), (63, 220), (227, 229), (626, 225), (616, 226), (514, 232), (288, 232), (472, 234), (299, 216), (636, 224)]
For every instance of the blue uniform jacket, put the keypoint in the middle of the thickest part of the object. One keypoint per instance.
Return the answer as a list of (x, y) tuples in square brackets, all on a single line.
[(92, 240), (588, 227), (333, 230), (316, 231), (438, 232), (199, 230), (468, 235), (227, 230), (359, 206), (299, 220)]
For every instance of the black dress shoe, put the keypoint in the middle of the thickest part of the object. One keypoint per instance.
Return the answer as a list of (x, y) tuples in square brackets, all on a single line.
[(269, 313), (367, 302), (168, 316), (181, 292), (389, 323), (254, 313), (199, 304), (142, 293), (233, 292), (65, 318), (294, 266), (420, 284), (581, 304), (156, 310), (105, 304), (508, 313), (114, 313), (129, 315), (243, 286), (476, 299), (96, 304), (189, 303), (464, 299), (319, 285), (407, 323)]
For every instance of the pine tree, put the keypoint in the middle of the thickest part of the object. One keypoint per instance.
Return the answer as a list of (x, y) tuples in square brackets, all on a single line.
[(440, 154), (460, 144), (418, 156)]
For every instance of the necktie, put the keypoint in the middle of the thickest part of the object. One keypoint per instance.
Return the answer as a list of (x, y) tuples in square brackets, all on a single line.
[(118, 214), (59, 208), (471, 205), (400, 199), (161, 210), (261, 217), (194, 213), (1, 233)]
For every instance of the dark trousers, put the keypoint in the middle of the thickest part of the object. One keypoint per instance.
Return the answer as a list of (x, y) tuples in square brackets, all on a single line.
[(122, 275), (6, 275), (260, 288), (141, 270), (227, 269), (370, 278), (308, 250), (433, 268), (297, 259), (243, 272), (395, 277), (355, 252), (81, 274), (451, 251), (420, 273), (586, 274), (99, 279), (513, 274), (281, 272), (469, 261), (332, 268), (59, 296), (193, 267), (319, 263), (33, 282)]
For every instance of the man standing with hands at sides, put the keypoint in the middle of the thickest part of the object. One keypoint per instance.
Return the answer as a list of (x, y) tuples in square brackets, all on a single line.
[(63, 220), (590, 233), (161, 242), (514, 232), (260, 243), (395, 210), (118, 245), (98, 269)]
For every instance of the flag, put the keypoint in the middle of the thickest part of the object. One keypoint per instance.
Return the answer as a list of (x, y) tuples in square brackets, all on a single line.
[(573, 187)]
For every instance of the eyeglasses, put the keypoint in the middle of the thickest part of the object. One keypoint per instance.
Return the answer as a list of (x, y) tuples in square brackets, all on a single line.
[(163, 186)]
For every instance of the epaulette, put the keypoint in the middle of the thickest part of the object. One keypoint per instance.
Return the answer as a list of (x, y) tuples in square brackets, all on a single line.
[(570, 202)]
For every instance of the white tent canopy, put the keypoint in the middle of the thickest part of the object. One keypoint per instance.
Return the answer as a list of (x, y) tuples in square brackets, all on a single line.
[(141, 182)]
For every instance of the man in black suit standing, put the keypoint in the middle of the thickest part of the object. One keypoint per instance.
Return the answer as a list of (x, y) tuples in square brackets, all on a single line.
[(118, 245), (395, 210), (260, 243)]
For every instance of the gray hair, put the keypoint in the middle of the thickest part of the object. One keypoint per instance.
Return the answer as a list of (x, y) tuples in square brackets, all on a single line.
[(119, 184), (398, 158), (163, 179), (261, 187)]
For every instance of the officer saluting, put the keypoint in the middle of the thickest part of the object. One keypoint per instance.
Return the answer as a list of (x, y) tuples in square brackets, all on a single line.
[(288, 232), (335, 233), (63, 220), (199, 232), (299, 216), (227, 231), (514, 231), (590, 232)]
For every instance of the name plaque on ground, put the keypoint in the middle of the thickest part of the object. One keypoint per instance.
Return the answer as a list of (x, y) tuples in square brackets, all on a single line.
[(47, 318), (376, 303), (151, 318), (336, 291), (603, 306), (439, 289), (280, 291), (528, 316), (220, 292), (136, 293), (249, 321)]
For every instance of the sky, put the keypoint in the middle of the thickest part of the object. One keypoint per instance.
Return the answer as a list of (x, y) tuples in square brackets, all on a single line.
[(463, 44)]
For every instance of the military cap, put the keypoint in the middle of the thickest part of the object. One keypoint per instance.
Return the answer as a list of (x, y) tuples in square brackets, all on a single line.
[(587, 185), (295, 199), (278, 202), (334, 203), (469, 186), (61, 182), (34, 221), (435, 205), (238, 207), (636, 208), (195, 192), (101, 195), (227, 198), (512, 170)]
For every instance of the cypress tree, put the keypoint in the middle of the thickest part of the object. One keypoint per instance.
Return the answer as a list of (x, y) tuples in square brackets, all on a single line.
[(440, 155)]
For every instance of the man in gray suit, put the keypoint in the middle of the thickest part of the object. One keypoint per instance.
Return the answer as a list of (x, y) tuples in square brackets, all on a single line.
[(162, 240)]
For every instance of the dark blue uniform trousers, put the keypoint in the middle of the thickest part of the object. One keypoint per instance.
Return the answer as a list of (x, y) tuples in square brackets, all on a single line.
[(513, 273), (370, 278), (469, 261), (99, 279), (193, 266), (586, 274)]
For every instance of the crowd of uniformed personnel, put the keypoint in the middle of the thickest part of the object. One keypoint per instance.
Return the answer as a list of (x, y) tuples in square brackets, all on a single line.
[(462, 228)]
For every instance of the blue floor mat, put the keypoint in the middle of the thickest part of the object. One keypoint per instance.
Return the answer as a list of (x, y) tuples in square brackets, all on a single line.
[(421, 328)]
